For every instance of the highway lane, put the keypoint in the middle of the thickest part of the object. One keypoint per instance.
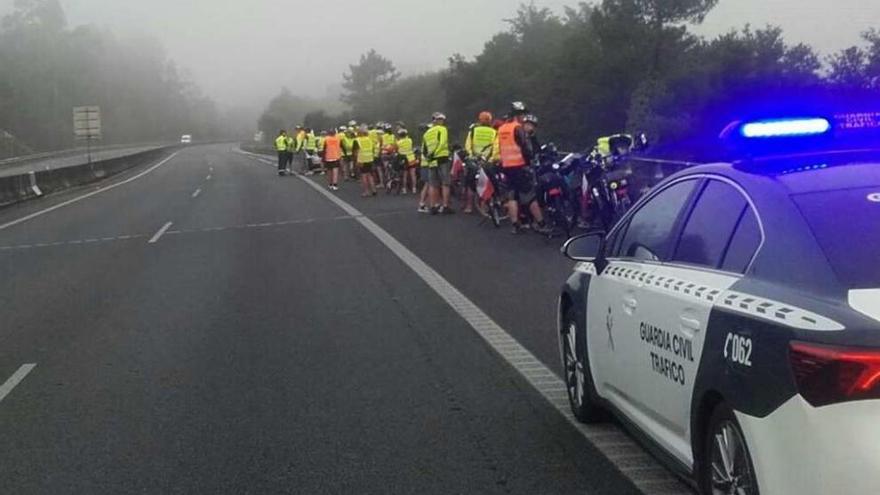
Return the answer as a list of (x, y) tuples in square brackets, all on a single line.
[(267, 343), (71, 160)]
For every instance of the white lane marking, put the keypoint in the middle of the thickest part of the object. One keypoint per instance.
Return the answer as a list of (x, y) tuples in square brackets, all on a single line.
[(87, 195), (15, 379), (160, 233), (196, 193), (617, 445), (208, 177)]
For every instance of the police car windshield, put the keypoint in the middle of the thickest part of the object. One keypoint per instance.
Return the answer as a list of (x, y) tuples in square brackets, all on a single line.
[(846, 224)]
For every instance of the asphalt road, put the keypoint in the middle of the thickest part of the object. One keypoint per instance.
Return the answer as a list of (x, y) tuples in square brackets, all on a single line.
[(267, 342), (71, 160)]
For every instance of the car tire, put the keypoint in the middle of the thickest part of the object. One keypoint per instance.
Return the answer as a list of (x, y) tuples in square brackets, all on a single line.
[(726, 466), (582, 395)]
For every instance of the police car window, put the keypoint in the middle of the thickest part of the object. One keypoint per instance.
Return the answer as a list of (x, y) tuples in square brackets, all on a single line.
[(846, 223), (745, 243), (711, 225), (650, 231)]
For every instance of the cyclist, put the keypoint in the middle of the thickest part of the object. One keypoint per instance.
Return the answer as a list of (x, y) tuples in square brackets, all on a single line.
[(477, 146), (436, 144), (407, 157), (516, 154), (364, 156)]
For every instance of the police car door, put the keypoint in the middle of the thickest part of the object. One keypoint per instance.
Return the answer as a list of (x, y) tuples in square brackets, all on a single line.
[(616, 297), (719, 238)]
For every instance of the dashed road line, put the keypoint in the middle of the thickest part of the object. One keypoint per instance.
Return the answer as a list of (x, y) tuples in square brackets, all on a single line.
[(87, 195), (74, 242), (208, 177), (15, 379), (158, 235), (196, 193), (616, 445)]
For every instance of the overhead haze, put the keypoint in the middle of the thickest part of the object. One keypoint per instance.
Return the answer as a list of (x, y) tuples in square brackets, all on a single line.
[(242, 52)]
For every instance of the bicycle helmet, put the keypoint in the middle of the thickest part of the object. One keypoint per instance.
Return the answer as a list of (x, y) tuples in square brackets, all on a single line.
[(531, 119), (518, 108), (438, 116)]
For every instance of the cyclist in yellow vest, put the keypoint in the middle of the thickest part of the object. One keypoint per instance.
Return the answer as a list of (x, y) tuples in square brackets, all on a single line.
[(406, 155), (376, 132), (436, 145), (281, 149), (424, 169), (310, 147), (288, 155), (364, 154), (348, 135), (388, 146), (478, 145)]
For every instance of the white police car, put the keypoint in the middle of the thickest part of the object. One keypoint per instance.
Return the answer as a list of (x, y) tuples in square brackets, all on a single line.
[(731, 319)]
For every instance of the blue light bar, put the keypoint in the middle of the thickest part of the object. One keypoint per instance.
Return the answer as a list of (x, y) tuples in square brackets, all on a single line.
[(785, 128)]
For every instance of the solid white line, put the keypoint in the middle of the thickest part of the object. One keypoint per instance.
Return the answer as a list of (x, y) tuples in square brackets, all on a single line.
[(87, 195), (511, 351), (197, 192), (160, 233), (15, 379)]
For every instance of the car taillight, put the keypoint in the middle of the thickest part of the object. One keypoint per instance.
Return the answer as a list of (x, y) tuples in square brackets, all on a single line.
[(827, 374)]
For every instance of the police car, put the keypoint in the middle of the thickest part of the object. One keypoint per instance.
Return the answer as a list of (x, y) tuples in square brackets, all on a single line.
[(731, 319)]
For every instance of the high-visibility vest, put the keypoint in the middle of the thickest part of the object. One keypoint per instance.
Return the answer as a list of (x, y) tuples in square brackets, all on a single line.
[(365, 153), (480, 140), (347, 145), (289, 143), (311, 142), (511, 153), (437, 142), (603, 144), (332, 148), (320, 144), (374, 135), (388, 140), (281, 143), (300, 140), (405, 148)]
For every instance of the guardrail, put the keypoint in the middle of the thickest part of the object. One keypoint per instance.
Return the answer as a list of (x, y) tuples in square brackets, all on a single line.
[(22, 187), (18, 160)]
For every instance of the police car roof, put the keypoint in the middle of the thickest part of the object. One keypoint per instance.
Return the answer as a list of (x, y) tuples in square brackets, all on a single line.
[(802, 173)]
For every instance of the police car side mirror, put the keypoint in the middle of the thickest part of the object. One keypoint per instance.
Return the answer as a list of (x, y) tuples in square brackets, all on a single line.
[(589, 247)]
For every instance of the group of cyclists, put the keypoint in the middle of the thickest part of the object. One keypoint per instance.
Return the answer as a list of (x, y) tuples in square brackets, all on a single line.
[(496, 173)]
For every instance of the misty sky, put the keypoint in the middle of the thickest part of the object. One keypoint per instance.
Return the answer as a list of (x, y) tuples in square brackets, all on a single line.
[(242, 51)]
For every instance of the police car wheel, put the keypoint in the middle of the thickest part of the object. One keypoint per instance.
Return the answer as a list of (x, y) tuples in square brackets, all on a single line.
[(727, 466), (582, 395)]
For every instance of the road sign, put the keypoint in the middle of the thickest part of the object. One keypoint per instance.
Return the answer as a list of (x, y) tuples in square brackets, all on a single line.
[(87, 122), (87, 125)]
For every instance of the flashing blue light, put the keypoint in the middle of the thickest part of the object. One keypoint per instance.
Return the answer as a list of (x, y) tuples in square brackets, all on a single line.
[(785, 128)]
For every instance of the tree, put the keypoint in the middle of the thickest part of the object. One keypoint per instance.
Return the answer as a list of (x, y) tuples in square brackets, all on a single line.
[(849, 68), (373, 73), (48, 68)]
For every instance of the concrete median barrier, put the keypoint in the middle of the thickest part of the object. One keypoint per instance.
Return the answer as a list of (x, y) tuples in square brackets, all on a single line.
[(17, 188)]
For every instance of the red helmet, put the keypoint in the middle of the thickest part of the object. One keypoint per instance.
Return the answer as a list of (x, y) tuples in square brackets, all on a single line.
[(485, 118)]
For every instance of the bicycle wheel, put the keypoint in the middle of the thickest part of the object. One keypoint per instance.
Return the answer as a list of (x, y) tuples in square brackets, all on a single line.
[(495, 213)]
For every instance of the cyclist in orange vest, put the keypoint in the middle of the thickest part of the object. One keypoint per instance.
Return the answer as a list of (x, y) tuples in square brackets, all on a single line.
[(331, 152), (516, 153)]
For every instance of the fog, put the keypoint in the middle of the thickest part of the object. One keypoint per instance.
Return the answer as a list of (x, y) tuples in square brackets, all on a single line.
[(241, 52)]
